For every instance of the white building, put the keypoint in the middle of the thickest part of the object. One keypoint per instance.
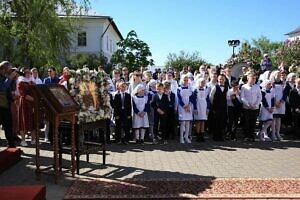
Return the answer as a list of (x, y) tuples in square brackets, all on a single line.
[(294, 35), (96, 34)]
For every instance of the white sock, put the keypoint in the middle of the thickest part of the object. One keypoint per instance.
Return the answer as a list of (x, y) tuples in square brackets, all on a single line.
[(142, 133), (137, 134)]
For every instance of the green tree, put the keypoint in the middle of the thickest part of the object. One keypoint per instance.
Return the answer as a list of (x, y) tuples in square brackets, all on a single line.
[(35, 34), (289, 53), (253, 52), (76, 61), (184, 59), (132, 53)]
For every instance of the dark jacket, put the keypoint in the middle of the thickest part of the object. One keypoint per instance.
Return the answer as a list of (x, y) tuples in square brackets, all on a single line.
[(117, 105)]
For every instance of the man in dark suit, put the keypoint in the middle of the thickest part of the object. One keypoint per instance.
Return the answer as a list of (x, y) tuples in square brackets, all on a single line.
[(295, 105), (122, 113), (229, 78), (160, 104), (7, 75)]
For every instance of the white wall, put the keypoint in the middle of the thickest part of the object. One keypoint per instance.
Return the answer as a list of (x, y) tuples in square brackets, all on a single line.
[(293, 37), (94, 28)]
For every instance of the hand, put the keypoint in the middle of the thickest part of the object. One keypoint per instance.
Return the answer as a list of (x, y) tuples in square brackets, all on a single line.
[(196, 112), (188, 109), (29, 98), (270, 110), (141, 114), (233, 96), (160, 111)]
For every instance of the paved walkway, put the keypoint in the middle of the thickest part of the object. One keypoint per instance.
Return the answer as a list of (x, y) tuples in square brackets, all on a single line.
[(174, 160)]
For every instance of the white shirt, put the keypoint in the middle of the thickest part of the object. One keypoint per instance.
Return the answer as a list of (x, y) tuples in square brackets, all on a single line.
[(251, 96)]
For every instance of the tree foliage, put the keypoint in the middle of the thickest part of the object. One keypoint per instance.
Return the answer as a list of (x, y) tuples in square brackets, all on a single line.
[(33, 34), (76, 61), (184, 59), (289, 53), (253, 52), (132, 53)]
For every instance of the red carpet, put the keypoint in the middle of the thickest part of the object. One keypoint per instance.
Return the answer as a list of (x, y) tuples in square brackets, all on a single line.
[(27, 192), (9, 157), (202, 188)]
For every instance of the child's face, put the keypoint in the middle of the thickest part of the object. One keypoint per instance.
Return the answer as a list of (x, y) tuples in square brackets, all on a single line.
[(268, 86), (221, 80), (166, 89), (186, 81), (202, 84), (160, 90), (141, 92), (123, 87), (235, 88), (298, 84)]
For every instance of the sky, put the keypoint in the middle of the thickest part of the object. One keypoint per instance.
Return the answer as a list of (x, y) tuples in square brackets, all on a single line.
[(169, 26)]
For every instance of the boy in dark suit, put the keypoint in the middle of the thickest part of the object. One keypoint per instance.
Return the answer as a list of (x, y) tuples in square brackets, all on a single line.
[(171, 111), (160, 106), (218, 99), (122, 113)]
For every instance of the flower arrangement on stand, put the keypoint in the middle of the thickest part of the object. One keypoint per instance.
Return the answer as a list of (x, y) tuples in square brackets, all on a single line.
[(89, 89)]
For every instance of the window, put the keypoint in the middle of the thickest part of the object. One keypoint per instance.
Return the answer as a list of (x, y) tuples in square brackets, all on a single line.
[(107, 43), (111, 45), (81, 39)]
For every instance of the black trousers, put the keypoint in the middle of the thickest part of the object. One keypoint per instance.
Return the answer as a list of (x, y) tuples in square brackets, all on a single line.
[(250, 117), (6, 121), (170, 123), (160, 124), (220, 119), (123, 123), (233, 119)]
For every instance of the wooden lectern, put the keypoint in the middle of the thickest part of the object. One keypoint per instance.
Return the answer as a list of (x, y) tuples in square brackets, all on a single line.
[(55, 102)]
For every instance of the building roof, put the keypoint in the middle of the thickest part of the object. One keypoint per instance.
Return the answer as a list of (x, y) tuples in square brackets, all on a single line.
[(110, 19), (297, 30)]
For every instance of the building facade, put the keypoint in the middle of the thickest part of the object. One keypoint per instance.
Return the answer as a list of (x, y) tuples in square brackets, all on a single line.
[(294, 35), (95, 35)]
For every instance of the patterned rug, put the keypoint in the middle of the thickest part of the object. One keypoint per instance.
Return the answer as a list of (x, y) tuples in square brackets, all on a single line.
[(202, 188)]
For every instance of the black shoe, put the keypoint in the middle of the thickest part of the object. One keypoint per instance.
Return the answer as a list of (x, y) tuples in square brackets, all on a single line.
[(17, 139), (138, 141), (141, 141), (201, 139)]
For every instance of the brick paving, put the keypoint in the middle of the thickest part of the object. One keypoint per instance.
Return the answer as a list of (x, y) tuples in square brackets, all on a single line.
[(174, 160)]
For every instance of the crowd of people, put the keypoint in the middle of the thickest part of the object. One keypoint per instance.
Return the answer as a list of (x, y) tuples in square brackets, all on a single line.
[(170, 104)]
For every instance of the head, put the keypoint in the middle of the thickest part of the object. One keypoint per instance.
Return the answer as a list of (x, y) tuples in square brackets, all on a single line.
[(185, 80), (167, 87), (140, 91), (251, 78), (235, 85), (201, 82), (159, 88), (291, 77), (137, 76), (116, 74), (34, 72), (214, 77), (27, 72), (147, 76), (202, 69), (52, 72), (221, 79), (125, 71), (227, 71), (169, 75), (283, 75), (5, 68), (121, 86)]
